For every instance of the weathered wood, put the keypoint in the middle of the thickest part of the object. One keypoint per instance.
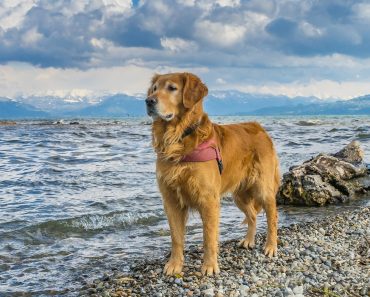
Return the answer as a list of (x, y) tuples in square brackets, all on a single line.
[(7, 123)]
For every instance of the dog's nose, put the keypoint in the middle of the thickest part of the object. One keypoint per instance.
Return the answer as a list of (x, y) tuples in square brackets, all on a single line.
[(150, 101)]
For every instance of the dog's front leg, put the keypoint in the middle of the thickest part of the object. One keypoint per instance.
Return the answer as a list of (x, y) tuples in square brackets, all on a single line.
[(177, 217), (210, 214)]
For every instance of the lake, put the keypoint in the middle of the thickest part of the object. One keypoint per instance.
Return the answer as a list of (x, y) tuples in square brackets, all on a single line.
[(77, 200)]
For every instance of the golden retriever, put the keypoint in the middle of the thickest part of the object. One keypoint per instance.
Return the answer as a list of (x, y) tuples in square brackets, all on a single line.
[(250, 168)]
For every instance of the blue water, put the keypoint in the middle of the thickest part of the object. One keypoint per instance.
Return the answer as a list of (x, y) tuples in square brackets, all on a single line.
[(77, 200)]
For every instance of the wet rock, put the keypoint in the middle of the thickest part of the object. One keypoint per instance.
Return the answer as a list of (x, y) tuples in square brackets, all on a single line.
[(326, 179)]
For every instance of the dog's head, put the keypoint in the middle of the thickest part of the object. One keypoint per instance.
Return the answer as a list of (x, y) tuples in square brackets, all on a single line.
[(171, 95)]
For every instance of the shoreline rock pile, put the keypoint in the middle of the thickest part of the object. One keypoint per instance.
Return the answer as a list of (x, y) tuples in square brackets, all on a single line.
[(327, 179)]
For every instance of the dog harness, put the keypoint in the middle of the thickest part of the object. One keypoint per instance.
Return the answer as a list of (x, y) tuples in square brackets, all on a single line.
[(206, 151)]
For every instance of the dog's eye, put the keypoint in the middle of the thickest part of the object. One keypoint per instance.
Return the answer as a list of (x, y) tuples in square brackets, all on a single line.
[(172, 88), (154, 88)]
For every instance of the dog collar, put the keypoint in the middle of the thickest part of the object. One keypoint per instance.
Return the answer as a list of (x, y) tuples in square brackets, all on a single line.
[(189, 130), (206, 151)]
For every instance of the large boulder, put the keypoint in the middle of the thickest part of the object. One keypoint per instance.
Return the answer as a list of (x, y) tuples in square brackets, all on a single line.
[(327, 179)]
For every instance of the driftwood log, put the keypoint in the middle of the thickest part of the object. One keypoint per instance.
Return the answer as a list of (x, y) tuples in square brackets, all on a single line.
[(7, 123), (327, 179)]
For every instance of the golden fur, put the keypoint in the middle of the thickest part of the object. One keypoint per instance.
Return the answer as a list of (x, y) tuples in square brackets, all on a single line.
[(251, 169)]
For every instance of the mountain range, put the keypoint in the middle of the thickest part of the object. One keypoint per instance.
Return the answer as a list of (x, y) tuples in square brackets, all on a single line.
[(216, 103)]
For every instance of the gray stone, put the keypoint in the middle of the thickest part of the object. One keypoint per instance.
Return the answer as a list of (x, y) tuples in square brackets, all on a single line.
[(364, 291), (326, 179), (243, 289), (208, 292), (287, 291), (298, 290)]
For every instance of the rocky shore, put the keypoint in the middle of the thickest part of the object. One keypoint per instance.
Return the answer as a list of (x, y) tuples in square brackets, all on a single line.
[(329, 257), (327, 179)]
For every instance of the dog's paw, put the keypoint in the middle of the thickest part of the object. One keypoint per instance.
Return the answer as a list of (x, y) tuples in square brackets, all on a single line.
[(173, 267), (246, 243), (210, 269), (270, 250)]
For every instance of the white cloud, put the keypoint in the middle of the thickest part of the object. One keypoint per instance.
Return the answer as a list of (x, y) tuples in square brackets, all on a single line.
[(225, 3), (12, 12), (220, 81), (70, 8), (255, 23), (117, 6), (362, 11), (31, 37), (243, 43), (155, 19), (101, 43), (219, 34), (310, 30), (210, 4), (178, 44), (323, 89), (24, 79), (186, 2)]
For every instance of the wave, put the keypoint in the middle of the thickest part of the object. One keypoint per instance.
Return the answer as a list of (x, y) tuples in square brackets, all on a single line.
[(309, 123), (115, 220), (84, 226)]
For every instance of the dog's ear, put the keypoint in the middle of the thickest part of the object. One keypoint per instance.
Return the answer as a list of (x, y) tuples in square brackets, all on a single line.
[(154, 79), (194, 90)]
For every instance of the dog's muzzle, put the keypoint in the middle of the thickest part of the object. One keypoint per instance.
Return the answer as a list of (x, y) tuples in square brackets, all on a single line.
[(151, 103)]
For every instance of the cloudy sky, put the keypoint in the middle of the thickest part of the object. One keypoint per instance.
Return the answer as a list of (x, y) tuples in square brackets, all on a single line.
[(292, 47)]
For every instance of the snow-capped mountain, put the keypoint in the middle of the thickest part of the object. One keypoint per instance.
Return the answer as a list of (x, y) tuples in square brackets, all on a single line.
[(235, 102), (54, 103), (216, 103)]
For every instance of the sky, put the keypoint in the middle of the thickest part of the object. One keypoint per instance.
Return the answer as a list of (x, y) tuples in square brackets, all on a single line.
[(289, 47)]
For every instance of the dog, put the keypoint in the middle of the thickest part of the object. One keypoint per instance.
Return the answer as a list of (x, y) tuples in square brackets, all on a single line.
[(244, 163)]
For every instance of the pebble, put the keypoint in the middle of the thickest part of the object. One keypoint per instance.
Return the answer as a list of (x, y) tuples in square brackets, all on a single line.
[(322, 231), (298, 290), (288, 292), (208, 292), (305, 256)]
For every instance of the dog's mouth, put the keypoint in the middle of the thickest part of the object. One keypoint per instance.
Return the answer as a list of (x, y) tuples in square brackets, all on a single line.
[(168, 117), (154, 113)]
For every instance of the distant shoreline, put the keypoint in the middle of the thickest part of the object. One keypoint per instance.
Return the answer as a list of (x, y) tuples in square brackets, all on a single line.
[(4, 120)]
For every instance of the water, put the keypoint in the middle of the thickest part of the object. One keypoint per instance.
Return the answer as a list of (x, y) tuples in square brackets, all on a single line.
[(77, 200)]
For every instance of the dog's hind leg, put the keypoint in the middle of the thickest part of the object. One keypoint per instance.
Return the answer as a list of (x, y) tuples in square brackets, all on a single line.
[(272, 217), (250, 208), (177, 217)]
